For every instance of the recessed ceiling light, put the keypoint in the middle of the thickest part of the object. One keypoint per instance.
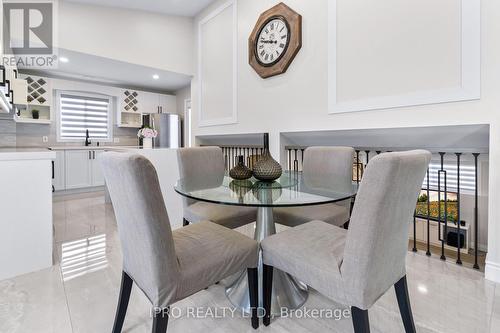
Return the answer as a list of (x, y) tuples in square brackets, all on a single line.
[(156, 76), (63, 59)]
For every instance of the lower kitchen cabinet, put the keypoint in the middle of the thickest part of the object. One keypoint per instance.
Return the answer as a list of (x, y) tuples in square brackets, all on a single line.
[(58, 181), (97, 174), (78, 167), (82, 169)]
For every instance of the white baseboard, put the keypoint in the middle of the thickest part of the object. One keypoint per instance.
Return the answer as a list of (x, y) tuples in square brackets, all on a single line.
[(78, 190), (492, 271)]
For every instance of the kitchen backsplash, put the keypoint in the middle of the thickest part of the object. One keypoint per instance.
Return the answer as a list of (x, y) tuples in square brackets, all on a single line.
[(7, 131), (14, 134), (30, 135)]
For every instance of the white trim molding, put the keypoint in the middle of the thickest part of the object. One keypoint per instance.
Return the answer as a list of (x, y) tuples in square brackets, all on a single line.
[(233, 118), (469, 88), (492, 271)]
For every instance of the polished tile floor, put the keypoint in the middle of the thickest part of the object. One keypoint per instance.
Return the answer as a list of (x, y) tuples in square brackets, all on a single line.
[(79, 293)]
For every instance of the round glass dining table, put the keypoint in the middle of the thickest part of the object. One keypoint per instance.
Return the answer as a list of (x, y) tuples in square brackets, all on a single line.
[(292, 189)]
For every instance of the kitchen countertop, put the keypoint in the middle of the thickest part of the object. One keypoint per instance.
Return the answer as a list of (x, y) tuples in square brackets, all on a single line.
[(91, 147), (17, 154)]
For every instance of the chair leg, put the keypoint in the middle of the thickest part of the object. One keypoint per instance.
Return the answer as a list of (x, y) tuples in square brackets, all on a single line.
[(267, 290), (121, 310), (253, 290), (160, 321), (360, 320), (401, 288), (185, 222)]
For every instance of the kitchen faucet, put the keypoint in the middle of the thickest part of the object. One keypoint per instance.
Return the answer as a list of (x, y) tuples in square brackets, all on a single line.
[(87, 139)]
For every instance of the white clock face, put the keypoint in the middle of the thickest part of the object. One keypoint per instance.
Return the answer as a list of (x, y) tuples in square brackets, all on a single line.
[(272, 41)]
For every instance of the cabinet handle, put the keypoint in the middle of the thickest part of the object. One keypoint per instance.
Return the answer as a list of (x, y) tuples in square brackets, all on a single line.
[(94, 154), (90, 155)]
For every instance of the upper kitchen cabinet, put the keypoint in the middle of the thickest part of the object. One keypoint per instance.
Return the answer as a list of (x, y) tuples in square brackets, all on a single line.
[(158, 103), (39, 91), (167, 103), (149, 102), (20, 89), (134, 103), (34, 99), (129, 110)]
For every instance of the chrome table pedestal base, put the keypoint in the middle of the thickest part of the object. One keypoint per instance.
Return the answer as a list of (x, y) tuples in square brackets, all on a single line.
[(288, 292)]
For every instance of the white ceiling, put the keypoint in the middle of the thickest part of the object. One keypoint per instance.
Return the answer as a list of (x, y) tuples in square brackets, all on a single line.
[(170, 7), (91, 68)]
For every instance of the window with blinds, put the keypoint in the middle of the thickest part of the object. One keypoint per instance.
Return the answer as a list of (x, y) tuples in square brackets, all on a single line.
[(81, 112), (467, 177)]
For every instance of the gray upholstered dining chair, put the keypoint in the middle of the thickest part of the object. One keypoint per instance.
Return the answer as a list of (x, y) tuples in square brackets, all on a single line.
[(324, 167), (357, 266), (207, 164), (168, 266)]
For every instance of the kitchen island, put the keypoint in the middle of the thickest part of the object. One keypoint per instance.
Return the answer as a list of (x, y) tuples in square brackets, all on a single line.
[(165, 162), (26, 232)]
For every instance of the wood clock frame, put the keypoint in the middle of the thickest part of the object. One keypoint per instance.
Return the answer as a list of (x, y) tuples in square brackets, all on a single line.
[(294, 23)]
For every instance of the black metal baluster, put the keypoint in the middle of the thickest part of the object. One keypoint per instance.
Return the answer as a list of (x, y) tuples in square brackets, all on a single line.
[(357, 166), (289, 159), (442, 237), (233, 152), (459, 261), (302, 159), (295, 161), (476, 228), (378, 152), (367, 152), (224, 150), (414, 231), (428, 253)]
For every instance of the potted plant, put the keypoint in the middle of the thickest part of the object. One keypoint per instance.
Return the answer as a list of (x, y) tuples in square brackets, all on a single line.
[(147, 134), (35, 114)]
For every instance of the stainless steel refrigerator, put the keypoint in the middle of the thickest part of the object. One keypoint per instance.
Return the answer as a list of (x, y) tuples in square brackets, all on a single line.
[(169, 129)]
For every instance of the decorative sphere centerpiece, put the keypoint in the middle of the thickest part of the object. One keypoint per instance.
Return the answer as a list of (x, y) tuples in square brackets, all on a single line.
[(267, 169)]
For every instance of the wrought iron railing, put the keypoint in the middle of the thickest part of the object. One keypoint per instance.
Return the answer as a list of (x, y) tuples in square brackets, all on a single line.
[(250, 153), (440, 185), (442, 178)]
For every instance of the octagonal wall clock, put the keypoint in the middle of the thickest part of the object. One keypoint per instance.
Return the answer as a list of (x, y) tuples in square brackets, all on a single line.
[(275, 40)]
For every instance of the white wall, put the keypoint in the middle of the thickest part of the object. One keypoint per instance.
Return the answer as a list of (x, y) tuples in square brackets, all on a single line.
[(182, 95), (298, 99), (153, 40)]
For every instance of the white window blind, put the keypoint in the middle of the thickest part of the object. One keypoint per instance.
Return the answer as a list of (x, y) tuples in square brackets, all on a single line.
[(79, 113), (467, 179)]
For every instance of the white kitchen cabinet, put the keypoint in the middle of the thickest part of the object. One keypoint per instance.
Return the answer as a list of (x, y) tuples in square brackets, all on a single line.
[(149, 102), (33, 93), (59, 181), (97, 174), (129, 110), (82, 169), (78, 165), (134, 103), (20, 89), (39, 90), (167, 103), (157, 103)]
